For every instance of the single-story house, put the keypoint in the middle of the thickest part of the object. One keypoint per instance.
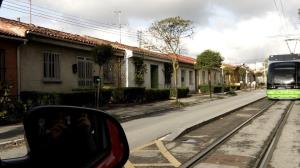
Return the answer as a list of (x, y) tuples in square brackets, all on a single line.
[(47, 60)]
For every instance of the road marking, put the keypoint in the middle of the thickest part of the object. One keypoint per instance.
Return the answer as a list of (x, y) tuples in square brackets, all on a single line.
[(143, 146), (153, 165), (129, 164), (167, 154)]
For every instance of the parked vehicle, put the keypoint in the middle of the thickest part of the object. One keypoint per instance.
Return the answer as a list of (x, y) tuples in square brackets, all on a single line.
[(284, 77), (66, 136)]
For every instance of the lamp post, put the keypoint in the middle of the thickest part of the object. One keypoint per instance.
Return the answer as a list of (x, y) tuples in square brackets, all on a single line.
[(222, 68)]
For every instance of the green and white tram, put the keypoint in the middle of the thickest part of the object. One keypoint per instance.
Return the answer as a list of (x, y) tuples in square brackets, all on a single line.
[(283, 81)]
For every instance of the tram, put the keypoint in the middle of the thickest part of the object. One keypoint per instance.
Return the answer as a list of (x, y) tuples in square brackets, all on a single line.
[(283, 80)]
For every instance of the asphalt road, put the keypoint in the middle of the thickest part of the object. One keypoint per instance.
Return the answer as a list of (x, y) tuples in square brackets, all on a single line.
[(142, 131)]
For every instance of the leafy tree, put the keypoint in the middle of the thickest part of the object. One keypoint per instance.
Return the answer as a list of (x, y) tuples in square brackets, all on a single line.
[(209, 60), (102, 54), (168, 34)]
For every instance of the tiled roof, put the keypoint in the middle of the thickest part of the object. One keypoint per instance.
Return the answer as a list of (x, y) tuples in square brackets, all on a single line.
[(20, 29), (182, 58)]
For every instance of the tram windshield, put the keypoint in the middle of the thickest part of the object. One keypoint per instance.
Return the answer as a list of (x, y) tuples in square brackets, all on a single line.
[(283, 74)]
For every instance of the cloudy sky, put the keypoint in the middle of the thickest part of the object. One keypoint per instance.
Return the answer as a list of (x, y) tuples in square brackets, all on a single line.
[(243, 31)]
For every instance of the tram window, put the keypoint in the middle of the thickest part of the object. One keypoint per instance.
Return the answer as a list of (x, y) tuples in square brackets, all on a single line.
[(283, 73)]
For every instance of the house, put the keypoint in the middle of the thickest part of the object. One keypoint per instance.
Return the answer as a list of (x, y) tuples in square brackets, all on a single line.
[(157, 65), (234, 74), (10, 42), (155, 68), (216, 76), (48, 60)]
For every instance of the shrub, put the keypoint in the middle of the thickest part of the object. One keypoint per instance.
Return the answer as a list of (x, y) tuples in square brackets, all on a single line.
[(183, 92), (11, 111), (217, 89), (79, 98), (157, 94), (128, 95), (204, 88)]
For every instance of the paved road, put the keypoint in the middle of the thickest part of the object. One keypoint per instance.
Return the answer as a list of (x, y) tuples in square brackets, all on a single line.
[(144, 130)]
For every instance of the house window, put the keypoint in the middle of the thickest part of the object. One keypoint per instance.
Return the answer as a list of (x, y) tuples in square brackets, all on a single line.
[(108, 72), (191, 78), (182, 75), (168, 73), (2, 65), (85, 72), (51, 66)]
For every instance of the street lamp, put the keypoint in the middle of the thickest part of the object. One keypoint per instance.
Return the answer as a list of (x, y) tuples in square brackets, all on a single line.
[(222, 68)]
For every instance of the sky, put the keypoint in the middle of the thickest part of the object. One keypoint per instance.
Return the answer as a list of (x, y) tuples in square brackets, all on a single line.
[(243, 31)]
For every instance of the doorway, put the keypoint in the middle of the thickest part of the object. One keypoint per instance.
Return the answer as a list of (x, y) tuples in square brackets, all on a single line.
[(154, 76)]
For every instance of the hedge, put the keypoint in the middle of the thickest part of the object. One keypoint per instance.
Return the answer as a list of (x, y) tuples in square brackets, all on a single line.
[(183, 92), (157, 94), (128, 95), (214, 88), (84, 98)]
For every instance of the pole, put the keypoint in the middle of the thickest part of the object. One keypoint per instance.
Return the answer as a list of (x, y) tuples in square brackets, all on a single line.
[(120, 26), (30, 19)]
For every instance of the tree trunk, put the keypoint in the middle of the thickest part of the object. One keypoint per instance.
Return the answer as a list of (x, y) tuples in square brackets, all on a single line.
[(175, 81), (209, 83)]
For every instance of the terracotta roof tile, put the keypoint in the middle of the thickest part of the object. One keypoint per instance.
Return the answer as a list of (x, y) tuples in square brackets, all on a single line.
[(16, 28), (19, 29), (182, 58)]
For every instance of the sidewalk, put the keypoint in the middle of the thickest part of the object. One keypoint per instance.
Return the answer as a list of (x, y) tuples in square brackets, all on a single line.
[(124, 114)]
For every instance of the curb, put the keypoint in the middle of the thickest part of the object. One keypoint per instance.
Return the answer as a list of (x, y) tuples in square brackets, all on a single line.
[(181, 131)]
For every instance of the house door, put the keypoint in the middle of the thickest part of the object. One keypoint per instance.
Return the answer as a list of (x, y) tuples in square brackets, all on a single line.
[(154, 76)]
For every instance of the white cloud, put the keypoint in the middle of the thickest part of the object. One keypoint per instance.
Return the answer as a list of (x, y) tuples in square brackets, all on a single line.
[(247, 41), (241, 30)]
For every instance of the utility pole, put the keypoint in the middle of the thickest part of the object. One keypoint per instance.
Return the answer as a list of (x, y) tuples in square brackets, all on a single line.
[(140, 37), (30, 19), (120, 26)]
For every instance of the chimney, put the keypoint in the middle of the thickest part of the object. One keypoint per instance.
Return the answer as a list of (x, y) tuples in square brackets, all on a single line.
[(18, 19)]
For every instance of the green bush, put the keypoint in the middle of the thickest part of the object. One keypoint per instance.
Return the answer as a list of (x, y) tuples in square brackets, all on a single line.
[(128, 95), (11, 111), (217, 89), (157, 94), (183, 92), (204, 88), (80, 98), (214, 88)]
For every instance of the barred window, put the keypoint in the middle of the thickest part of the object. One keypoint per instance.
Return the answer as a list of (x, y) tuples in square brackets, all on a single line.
[(85, 71), (51, 66)]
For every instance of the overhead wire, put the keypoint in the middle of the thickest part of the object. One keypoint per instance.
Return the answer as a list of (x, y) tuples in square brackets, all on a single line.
[(23, 9), (54, 12)]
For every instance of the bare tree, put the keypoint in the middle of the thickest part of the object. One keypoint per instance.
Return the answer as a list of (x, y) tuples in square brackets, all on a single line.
[(168, 35)]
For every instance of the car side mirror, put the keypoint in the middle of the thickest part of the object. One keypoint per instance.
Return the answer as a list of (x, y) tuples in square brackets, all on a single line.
[(65, 136)]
